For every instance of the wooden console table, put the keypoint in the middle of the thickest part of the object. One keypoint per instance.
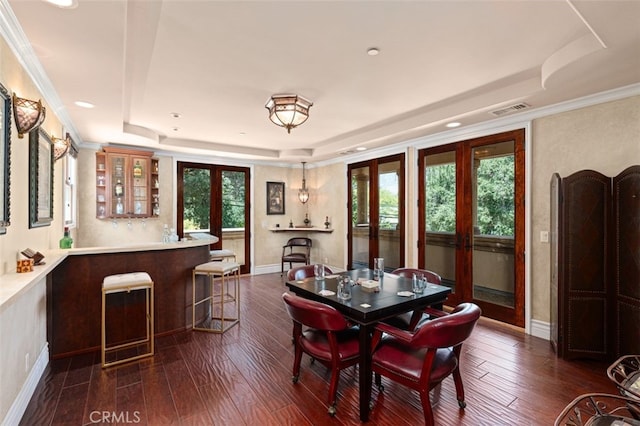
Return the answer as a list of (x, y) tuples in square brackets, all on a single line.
[(301, 229)]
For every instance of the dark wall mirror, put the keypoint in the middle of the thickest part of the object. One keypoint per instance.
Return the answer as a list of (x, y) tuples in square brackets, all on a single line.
[(40, 179), (5, 158)]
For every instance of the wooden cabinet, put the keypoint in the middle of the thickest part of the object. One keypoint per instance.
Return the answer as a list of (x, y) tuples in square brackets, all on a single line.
[(595, 264), (126, 184)]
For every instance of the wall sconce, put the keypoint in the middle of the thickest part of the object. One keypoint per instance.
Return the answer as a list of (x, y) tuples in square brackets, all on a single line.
[(60, 146), (303, 193), (28, 114), (288, 111)]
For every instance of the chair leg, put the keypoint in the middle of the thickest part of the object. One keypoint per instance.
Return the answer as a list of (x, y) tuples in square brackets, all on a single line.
[(426, 407), (333, 387), (379, 382), (296, 363), (457, 379)]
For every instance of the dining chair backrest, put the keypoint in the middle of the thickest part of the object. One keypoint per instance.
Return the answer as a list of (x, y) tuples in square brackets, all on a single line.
[(306, 271), (448, 330), (314, 314), (299, 242), (431, 276)]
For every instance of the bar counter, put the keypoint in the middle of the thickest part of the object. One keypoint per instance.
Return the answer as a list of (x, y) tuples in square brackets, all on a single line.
[(74, 289)]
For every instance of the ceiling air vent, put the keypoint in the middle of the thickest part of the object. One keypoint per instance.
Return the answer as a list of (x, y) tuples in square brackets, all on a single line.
[(510, 109)]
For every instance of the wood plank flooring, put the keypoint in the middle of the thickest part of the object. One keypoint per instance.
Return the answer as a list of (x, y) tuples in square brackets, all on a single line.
[(243, 377)]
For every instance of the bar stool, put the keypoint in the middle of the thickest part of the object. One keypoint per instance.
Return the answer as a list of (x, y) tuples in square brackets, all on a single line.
[(217, 320), (222, 255), (126, 283)]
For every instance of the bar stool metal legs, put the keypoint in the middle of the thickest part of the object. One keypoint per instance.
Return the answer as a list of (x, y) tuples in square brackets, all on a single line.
[(127, 283), (208, 312)]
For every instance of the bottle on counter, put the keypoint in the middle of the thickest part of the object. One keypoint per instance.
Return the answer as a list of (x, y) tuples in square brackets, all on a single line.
[(119, 207), (118, 189), (137, 170), (66, 242)]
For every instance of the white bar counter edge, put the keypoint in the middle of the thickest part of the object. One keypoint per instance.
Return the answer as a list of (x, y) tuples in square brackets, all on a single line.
[(13, 284)]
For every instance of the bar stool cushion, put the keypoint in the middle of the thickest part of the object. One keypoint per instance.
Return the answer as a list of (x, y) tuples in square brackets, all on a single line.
[(128, 282), (217, 267), (221, 254)]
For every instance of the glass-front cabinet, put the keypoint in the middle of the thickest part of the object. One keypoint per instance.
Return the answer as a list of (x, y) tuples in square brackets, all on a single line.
[(127, 184)]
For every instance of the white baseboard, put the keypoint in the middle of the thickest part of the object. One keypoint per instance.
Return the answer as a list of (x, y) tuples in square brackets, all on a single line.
[(15, 413), (266, 269), (540, 329)]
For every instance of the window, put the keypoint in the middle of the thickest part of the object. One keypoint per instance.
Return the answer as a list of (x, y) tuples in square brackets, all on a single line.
[(70, 191)]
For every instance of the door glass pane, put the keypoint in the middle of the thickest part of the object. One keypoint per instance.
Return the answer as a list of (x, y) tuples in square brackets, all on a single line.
[(388, 210), (233, 213), (493, 213), (360, 181), (197, 200), (440, 217)]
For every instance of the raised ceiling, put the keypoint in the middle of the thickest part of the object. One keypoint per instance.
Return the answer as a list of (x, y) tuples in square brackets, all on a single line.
[(216, 63)]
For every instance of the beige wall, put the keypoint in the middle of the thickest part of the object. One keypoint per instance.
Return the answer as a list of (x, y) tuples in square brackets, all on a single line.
[(327, 197), (23, 319), (605, 138)]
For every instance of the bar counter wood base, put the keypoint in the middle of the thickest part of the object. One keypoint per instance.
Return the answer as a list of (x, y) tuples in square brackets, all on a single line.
[(74, 295)]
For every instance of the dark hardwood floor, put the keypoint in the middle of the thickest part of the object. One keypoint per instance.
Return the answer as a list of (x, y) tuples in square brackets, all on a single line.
[(243, 377)]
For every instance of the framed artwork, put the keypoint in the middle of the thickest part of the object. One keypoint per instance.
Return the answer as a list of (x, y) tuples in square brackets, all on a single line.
[(40, 179), (5, 158), (275, 197)]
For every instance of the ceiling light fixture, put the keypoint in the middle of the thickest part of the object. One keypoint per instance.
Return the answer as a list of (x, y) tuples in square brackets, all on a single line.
[(27, 114), (64, 4), (83, 104), (374, 51), (303, 193), (453, 124), (288, 111), (60, 146)]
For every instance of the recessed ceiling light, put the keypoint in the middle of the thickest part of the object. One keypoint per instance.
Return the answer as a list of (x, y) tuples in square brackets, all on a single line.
[(83, 104), (373, 51), (361, 148), (453, 124), (176, 115), (64, 4)]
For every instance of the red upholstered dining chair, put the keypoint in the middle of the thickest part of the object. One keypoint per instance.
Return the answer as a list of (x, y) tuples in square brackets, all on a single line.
[(330, 339), (410, 320), (297, 250), (420, 360), (306, 271)]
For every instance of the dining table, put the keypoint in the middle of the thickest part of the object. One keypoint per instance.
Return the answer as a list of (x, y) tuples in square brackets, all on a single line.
[(372, 300)]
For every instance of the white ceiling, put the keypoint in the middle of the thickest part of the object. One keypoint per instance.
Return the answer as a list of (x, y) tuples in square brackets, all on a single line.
[(217, 62)]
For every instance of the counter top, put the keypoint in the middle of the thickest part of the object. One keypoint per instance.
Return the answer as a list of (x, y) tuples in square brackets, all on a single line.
[(301, 229), (13, 284)]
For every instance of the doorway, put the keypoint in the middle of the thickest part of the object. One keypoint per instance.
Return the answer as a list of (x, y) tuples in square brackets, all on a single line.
[(471, 221), (376, 212), (215, 199)]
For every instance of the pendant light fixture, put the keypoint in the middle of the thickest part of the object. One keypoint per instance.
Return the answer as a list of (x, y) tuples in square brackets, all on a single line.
[(303, 193)]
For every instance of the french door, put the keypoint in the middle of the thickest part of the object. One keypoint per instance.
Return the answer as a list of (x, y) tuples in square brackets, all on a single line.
[(376, 212), (215, 199), (471, 221)]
